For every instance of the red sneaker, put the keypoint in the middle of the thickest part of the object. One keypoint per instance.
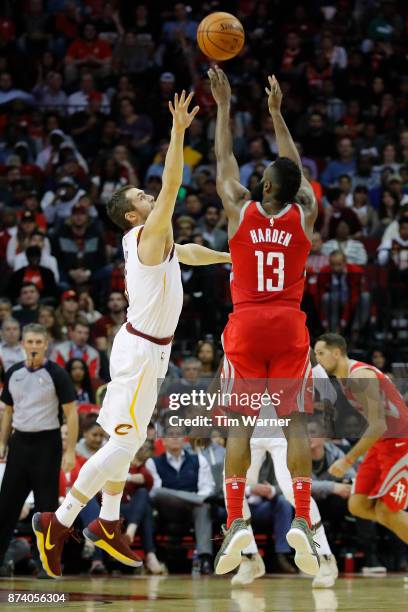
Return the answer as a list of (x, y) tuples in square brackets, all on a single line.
[(108, 535), (51, 536)]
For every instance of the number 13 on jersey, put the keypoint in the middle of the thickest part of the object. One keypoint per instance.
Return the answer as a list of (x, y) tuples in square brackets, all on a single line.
[(270, 263)]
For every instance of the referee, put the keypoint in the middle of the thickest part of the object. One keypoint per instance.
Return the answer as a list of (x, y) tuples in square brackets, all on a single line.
[(34, 391)]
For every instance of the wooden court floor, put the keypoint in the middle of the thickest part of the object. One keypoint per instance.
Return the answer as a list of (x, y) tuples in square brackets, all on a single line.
[(182, 593)]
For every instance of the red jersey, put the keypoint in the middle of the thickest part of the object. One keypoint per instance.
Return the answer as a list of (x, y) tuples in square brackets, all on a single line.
[(269, 256), (396, 410)]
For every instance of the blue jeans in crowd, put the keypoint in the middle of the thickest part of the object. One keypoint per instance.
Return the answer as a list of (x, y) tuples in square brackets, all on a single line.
[(139, 511), (277, 512)]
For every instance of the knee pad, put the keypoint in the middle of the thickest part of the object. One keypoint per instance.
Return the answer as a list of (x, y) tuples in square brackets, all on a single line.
[(111, 462)]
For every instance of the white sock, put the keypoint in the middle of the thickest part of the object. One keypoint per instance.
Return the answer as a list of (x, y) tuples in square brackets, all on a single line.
[(69, 510), (321, 538), (131, 530), (110, 509)]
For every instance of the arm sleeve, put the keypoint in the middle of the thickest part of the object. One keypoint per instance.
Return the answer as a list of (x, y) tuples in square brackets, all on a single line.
[(64, 387)]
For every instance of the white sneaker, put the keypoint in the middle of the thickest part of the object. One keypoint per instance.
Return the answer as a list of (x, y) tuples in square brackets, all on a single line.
[(153, 565), (328, 572), (249, 570)]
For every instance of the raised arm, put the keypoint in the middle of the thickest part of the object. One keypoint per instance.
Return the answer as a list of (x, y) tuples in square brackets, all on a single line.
[(287, 148), (230, 190), (157, 236), (196, 255)]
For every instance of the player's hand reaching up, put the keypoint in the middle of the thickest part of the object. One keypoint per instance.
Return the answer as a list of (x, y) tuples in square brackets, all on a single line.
[(274, 95), (220, 87), (182, 118)]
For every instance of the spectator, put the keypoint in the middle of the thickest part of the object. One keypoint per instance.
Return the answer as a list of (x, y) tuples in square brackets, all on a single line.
[(335, 55), (181, 22), (392, 228), (137, 510), (380, 360), (212, 234), (330, 495), (37, 239), (134, 54), (79, 248), (81, 100), (365, 212), (346, 189), (87, 308), (315, 137), (28, 307), (181, 484), (157, 167), (5, 309), (364, 176), (206, 354), (50, 94), (388, 210), (343, 297), (345, 164), (47, 318), (316, 259), (109, 181), (395, 251), (89, 52), (79, 374), (136, 129), (336, 212), (58, 206), (353, 250), (77, 347), (67, 313), (92, 440), (107, 326), (11, 350), (21, 240), (257, 158), (33, 273)]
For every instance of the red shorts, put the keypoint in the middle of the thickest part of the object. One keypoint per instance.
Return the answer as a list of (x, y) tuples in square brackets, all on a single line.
[(267, 350), (383, 474)]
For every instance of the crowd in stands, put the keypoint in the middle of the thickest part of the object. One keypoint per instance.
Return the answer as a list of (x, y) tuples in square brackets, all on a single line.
[(84, 87)]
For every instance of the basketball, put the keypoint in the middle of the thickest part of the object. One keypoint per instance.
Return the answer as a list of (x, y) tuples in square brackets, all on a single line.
[(220, 36)]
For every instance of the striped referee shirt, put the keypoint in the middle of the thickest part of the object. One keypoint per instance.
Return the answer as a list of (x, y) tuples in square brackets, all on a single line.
[(36, 395)]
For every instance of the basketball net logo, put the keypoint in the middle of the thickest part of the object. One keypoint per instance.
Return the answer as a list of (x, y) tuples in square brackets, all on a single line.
[(399, 493), (234, 485)]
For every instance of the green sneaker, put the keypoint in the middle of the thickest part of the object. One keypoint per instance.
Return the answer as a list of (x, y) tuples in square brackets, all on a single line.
[(300, 537), (236, 538)]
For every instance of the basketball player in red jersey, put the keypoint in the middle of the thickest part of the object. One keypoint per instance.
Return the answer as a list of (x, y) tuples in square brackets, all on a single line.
[(381, 486), (266, 342)]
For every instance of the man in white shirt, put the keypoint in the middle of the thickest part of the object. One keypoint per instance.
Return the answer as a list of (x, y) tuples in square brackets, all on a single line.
[(11, 351), (181, 483), (354, 250), (79, 100)]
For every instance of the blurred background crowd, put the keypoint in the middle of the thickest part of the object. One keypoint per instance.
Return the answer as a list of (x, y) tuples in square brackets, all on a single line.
[(84, 86)]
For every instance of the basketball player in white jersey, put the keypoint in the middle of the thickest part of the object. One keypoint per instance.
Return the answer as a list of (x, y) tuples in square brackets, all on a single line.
[(273, 441), (140, 354)]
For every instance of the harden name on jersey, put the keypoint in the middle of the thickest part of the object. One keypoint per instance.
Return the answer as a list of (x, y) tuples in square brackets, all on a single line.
[(269, 235)]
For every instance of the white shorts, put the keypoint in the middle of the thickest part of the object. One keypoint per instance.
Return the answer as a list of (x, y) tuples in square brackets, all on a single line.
[(137, 368)]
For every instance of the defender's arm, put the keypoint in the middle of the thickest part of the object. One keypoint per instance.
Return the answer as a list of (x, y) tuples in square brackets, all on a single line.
[(197, 255), (157, 233)]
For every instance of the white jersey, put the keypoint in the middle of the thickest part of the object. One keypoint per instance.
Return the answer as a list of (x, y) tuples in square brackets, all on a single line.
[(155, 293)]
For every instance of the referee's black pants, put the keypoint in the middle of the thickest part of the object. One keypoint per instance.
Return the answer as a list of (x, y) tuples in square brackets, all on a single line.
[(33, 464)]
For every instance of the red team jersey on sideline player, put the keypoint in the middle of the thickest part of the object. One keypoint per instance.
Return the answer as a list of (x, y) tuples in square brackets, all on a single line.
[(266, 338), (383, 473)]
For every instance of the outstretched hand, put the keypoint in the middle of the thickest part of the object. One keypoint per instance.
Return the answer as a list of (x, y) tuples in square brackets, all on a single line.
[(182, 118), (220, 87), (274, 94)]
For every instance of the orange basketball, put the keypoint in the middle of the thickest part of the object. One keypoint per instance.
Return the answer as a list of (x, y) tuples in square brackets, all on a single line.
[(220, 36)]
